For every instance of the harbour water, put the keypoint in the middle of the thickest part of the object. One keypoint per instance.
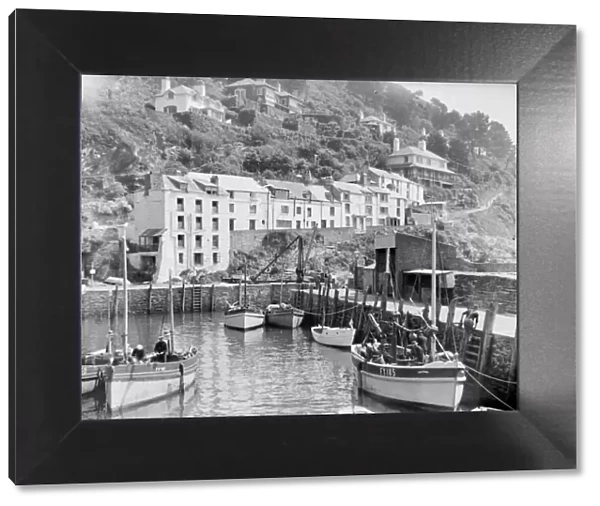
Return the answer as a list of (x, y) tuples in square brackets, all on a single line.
[(266, 371)]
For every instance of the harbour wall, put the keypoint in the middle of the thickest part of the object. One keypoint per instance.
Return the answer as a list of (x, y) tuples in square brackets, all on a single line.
[(149, 299), (481, 289)]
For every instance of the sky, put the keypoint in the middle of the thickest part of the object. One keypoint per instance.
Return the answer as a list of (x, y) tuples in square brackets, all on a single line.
[(498, 101)]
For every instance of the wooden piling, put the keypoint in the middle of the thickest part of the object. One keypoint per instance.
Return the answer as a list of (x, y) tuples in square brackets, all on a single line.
[(345, 308), (362, 310), (212, 298), (449, 331), (183, 297), (354, 313), (334, 313), (384, 292), (326, 302), (149, 302), (309, 305), (486, 341)]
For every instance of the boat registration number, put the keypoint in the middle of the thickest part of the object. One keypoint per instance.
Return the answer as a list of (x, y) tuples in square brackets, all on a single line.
[(384, 371)]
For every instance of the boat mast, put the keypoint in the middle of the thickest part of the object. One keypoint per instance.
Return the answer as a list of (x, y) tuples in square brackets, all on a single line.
[(433, 281), (245, 284), (172, 313), (125, 299)]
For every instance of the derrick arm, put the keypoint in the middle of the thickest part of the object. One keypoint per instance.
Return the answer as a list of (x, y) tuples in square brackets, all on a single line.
[(277, 257)]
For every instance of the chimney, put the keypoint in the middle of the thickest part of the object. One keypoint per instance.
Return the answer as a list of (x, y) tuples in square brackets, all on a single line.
[(423, 132), (384, 117), (215, 180), (200, 88), (165, 84), (279, 87), (396, 144), (422, 143)]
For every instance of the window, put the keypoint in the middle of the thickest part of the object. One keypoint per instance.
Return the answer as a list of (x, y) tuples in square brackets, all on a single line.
[(309, 212), (215, 223), (428, 161), (198, 258), (368, 199), (181, 241), (215, 207), (382, 222), (232, 208), (332, 223), (398, 211), (323, 223), (172, 109), (298, 210), (198, 241), (252, 225), (369, 222), (231, 195), (215, 241), (199, 206), (180, 222), (285, 209), (419, 159), (253, 209), (180, 204), (347, 208), (198, 223), (346, 196), (383, 210), (232, 224), (347, 221), (384, 198), (369, 209), (216, 258), (332, 211), (170, 95), (180, 258), (298, 224)]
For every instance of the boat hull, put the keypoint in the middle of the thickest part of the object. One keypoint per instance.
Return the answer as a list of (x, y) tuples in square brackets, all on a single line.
[(244, 320), (91, 378), (285, 318), (134, 384), (339, 337), (439, 384)]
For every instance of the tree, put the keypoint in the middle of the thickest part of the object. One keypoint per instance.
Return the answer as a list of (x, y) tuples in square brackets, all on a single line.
[(458, 154), (246, 117), (437, 144), (499, 142)]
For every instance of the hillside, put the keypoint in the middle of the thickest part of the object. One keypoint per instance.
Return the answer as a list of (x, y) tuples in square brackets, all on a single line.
[(123, 138)]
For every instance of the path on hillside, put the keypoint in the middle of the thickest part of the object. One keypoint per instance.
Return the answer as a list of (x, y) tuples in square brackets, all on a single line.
[(456, 215)]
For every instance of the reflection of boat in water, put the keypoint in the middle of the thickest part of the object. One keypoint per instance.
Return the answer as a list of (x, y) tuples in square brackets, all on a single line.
[(284, 316), (245, 336)]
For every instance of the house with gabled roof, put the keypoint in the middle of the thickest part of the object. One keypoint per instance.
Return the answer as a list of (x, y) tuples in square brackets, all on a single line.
[(420, 165), (265, 97), (184, 99), (381, 125)]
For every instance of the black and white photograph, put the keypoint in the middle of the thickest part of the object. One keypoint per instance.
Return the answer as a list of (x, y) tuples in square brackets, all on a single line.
[(264, 247)]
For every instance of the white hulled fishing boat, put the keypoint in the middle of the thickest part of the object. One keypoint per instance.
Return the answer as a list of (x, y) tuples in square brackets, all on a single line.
[(284, 316), (242, 316), (436, 379)]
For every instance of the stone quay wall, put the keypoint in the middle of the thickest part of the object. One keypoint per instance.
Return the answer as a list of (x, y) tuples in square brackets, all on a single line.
[(481, 289), (96, 302)]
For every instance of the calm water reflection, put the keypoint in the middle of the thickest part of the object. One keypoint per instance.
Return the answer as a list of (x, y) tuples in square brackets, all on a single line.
[(262, 372)]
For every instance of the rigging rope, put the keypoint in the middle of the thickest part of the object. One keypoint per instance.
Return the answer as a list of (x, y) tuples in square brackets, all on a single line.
[(491, 377), (491, 393)]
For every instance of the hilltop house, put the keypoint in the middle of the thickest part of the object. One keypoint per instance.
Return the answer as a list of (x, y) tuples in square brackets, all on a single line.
[(382, 126), (183, 99), (264, 97), (420, 165)]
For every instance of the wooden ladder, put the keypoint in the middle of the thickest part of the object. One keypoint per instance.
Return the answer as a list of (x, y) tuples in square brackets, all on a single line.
[(197, 298), (472, 352)]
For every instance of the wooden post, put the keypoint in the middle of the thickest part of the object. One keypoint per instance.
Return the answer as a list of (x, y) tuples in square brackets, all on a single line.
[(384, 292), (362, 310), (272, 294), (334, 315), (326, 303), (183, 297), (486, 341), (345, 308), (212, 298), (449, 332), (354, 312), (309, 305), (149, 305)]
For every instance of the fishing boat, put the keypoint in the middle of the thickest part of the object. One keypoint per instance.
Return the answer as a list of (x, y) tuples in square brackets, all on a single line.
[(436, 380), (284, 316), (242, 316), (338, 337)]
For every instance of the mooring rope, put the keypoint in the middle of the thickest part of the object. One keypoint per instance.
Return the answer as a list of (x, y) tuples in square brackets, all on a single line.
[(491, 393), (334, 312), (491, 377)]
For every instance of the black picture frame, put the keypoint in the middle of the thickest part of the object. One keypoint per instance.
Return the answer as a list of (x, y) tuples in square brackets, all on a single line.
[(49, 443)]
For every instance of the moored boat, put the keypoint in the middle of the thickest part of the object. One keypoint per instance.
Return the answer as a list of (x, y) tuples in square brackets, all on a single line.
[(241, 317), (339, 337), (413, 376), (284, 316)]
